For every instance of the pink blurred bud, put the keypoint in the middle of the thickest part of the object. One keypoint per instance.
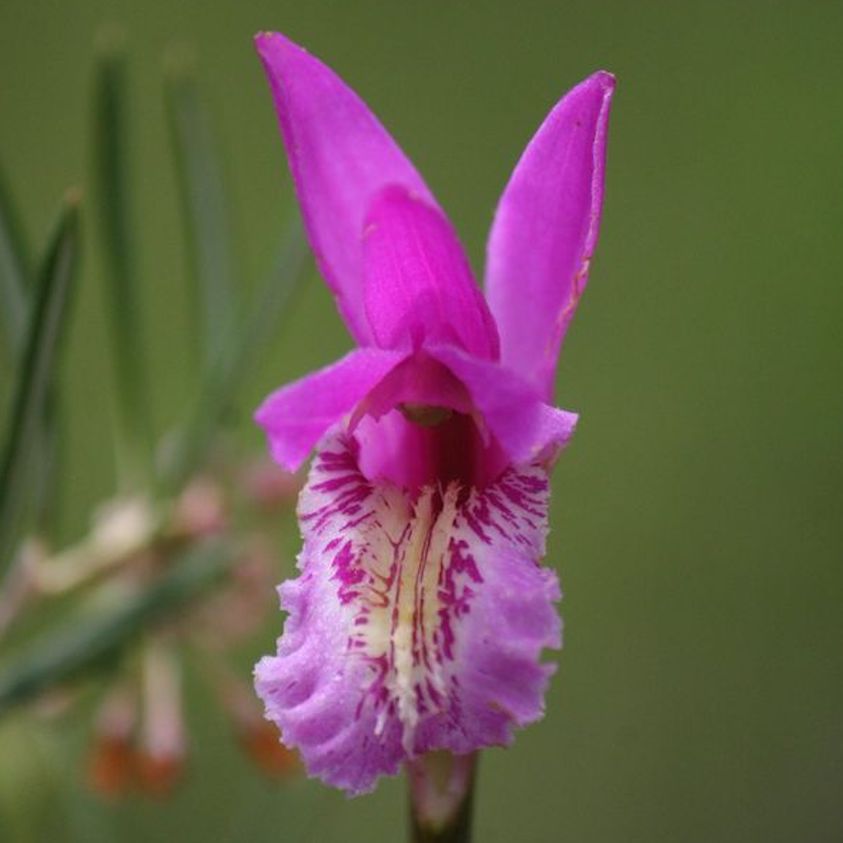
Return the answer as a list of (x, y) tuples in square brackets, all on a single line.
[(200, 510), (269, 486)]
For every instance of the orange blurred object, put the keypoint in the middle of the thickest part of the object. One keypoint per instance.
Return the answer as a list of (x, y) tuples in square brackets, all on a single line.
[(110, 766), (157, 775), (262, 744)]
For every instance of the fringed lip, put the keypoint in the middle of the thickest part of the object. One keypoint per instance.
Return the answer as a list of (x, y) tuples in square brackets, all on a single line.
[(417, 622)]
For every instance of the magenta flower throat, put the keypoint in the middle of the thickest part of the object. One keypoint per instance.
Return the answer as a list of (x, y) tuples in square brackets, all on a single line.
[(421, 611)]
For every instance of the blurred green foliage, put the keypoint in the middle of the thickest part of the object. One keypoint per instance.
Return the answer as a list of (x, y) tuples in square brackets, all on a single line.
[(697, 514)]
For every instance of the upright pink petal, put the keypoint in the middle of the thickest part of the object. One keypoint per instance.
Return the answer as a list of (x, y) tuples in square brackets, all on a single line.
[(417, 280), (545, 231), (340, 157), (296, 416)]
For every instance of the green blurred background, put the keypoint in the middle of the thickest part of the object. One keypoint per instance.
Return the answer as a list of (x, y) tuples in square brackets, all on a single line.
[(698, 515)]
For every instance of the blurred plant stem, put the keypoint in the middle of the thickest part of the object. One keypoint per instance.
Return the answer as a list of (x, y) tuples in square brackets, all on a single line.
[(121, 532), (17, 586), (89, 643), (441, 797)]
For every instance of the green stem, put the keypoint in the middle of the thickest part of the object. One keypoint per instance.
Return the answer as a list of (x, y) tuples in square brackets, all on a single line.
[(441, 797)]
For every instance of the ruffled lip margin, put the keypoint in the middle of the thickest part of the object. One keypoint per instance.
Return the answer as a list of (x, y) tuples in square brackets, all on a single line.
[(417, 622)]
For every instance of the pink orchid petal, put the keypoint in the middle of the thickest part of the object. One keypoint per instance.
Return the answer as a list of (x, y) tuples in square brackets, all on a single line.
[(340, 157), (417, 623), (417, 280), (524, 425), (296, 416), (545, 231)]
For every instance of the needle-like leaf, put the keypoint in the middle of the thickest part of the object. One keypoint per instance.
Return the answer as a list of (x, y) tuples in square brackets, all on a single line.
[(112, 201), (46, 324), (13, 275), (205, 211)]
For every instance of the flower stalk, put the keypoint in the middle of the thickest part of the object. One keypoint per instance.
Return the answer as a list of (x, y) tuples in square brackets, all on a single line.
[(441, 797)]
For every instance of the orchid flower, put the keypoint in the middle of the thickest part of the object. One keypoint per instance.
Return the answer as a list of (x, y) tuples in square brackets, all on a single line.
[(422, 608)]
